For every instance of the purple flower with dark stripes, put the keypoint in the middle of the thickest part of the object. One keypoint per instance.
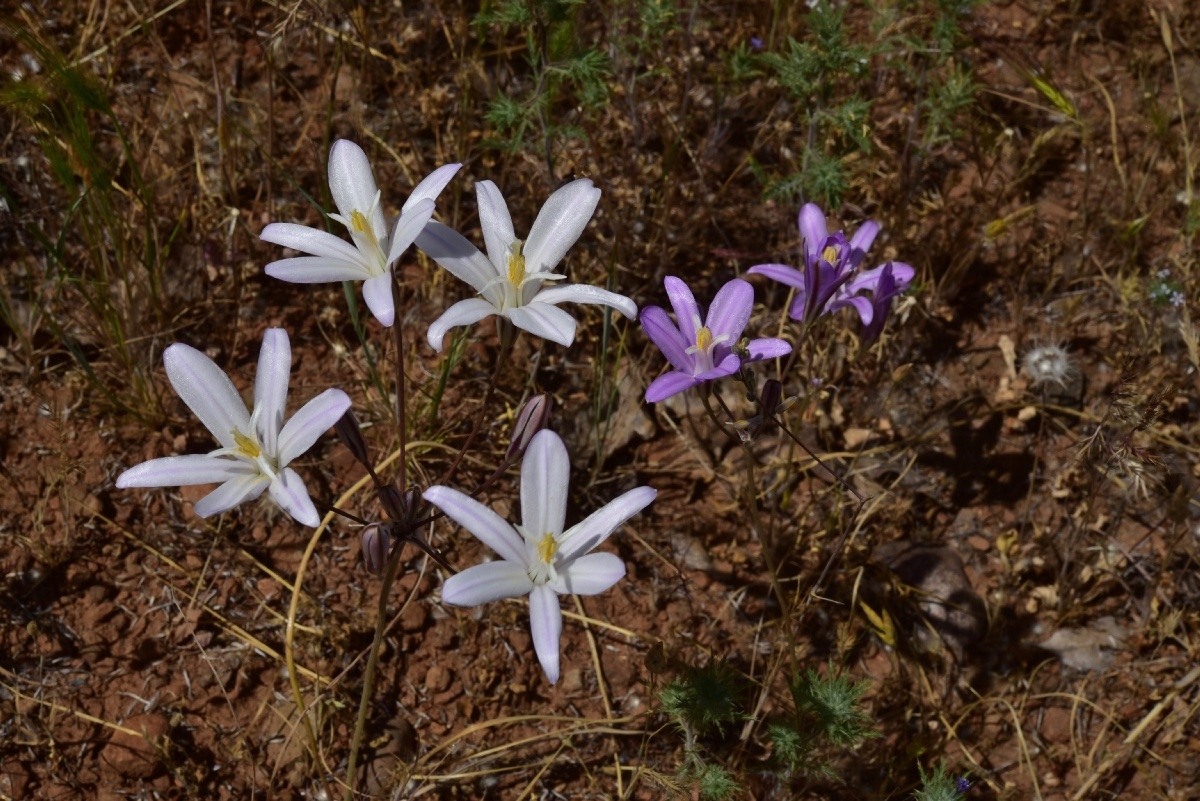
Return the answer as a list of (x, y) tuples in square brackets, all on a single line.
[(705, 350), (831, 279)]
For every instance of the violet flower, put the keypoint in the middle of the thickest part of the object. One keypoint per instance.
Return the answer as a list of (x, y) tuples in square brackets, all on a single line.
[(538, 558), (510, 278), (369, 259), (830, 279), (255, 447), (704, 351)]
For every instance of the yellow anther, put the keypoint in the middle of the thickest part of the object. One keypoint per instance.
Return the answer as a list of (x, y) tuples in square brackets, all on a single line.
[(247, 446), (830, 254), (704, 338), (358, 221), (516, 264), (547, 548)]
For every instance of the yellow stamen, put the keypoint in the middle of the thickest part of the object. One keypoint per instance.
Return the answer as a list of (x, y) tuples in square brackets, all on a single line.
[(247, 446), (704, 338), (830, 255), (516, 264), (547, 548), (358, 221)]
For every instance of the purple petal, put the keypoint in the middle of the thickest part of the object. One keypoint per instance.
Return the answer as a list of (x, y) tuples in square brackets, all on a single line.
[(545, 621), (597, 527), (730, 309), (862, 305), (485, 525), (860, 243), (812, 228), (687, 312), (779, 272), (485, 583), (545, 477), (591, 574), (289, 492), (767, 348), (728, 365), (670, 384), (666, 337)]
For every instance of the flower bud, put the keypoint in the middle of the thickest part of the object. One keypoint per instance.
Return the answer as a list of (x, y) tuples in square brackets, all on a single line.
[(768, 399), (376, 546), (534, 416), (349, 432), (393, 503)]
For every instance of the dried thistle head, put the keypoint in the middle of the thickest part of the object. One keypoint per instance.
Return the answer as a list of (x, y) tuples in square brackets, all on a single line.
[(1050, 366)]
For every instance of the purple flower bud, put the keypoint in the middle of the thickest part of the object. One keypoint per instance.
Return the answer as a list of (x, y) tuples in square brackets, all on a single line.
[(771, 395), (376, 546), (963, 784), (756, 43), (534, 416), (349, 432), (393, 503)]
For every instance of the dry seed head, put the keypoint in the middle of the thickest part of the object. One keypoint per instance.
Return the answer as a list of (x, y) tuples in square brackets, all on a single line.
[(1049, 365)]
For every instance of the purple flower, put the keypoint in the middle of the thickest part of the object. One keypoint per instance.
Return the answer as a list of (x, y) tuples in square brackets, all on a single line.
[(829, 282), (756, 43), (962, 784), (705, 351)]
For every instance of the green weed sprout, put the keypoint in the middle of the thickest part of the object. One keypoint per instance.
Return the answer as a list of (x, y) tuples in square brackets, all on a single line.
[(828, 714)]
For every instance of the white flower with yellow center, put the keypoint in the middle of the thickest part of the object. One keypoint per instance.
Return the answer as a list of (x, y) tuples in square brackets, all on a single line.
[(352, 185), (539, 559), (512, 278), (257, 446)]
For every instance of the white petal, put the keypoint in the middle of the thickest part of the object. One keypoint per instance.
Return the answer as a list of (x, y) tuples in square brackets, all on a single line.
[(410, 224), (271, 386), (310, 240), (559, 224), (485, 583), (545, 479), (601, 523), (590, 574), (207, 391), (352, 184), (377, 292), (231, 493), (453, 251), (582, 293), (496, 224), (317, 270), (488, 527), (307, 425), (432, 186), (289, 492), (545, 620), (183, 471), (546, 321), (465, 312)]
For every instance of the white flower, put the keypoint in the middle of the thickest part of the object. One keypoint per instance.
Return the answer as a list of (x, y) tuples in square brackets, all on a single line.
[(539, 558), (352, 185), (255, 447), (510, 277)]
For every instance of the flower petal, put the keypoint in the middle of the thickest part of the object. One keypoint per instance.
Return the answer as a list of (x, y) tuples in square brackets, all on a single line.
[(352, 184), (779, 272), (412, 221), (590, 574), (812, 229), (596, 528), (377, 292), (496, 223), (861, 304), (289, 492), (546, 321), (687, 311), (583, 293), (485, 525), (432, 186), (310, 240), (730, 310), (453, 251), (860, 243), (669, 384), (666, 337), (307, 425), (768, 348), (545, 622), (183, 471), (559, 224), (317, 270), (485, 583), (545, 478), (271, 387), (207, 391), (729, 364), (465, 312), (232, 493)]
